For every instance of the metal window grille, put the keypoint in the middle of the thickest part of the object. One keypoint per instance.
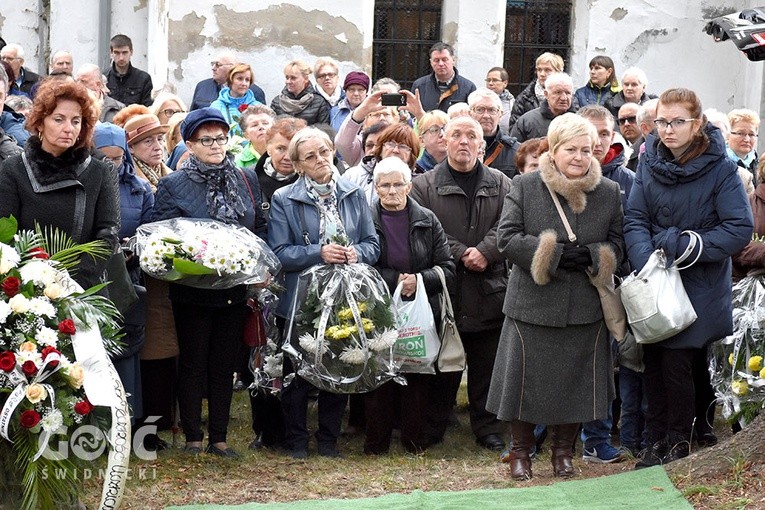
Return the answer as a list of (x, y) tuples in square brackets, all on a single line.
[(403, 33), (533, 27)]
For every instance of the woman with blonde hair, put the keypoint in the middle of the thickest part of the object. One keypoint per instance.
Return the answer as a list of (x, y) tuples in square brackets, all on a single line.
[(298, 97), (235, 97), (546, 64), (742, 139), (176, 147), (167, 104)]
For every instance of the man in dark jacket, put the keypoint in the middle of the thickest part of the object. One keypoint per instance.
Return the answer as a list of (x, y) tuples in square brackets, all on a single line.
[(467, 197), (126, 83), (90, 76), (630, 130), (486, 108), (207, 90), (25, 79), (444, 86), (559, 99)]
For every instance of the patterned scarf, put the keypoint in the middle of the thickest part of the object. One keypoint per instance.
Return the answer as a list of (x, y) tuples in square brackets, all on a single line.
[(223, 200), (152, 174), (331, 228)]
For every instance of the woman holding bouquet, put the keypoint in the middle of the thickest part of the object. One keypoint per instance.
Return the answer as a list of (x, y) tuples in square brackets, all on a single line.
[(554, 363), (307, 219), (209, 322), (412, 241)]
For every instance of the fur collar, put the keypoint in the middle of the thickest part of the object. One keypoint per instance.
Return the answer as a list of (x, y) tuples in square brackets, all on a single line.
[(573, 190), (49, 169)]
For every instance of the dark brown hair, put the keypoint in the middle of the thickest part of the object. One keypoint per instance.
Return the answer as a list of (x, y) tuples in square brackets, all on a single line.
[(47, 98), (399, 133)]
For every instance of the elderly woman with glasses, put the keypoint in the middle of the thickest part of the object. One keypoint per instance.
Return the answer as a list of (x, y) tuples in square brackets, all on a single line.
[(742, 139), (306, 217), (146, 141), (412, 242), (209, 322), (397, 140)]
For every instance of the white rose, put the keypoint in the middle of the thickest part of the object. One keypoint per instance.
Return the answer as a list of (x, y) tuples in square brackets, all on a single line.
[(19, 304), (53, 291)]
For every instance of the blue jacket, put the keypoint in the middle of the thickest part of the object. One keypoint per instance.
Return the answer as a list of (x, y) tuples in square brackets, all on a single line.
[(285, 231), (704, 195), (338, 113), (207, 91), (591, 94), (13, 124), (229, 107), (617, 172)]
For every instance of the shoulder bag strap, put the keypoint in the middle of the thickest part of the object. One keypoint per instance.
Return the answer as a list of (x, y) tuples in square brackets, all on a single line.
[(488, 161), (571, 235), (249, 190), (446, 301)]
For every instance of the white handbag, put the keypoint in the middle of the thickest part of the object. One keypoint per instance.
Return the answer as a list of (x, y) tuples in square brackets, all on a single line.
[(655, 300)]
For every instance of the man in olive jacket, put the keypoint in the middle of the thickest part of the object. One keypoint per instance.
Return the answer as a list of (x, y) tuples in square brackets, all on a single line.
[(467, 198)]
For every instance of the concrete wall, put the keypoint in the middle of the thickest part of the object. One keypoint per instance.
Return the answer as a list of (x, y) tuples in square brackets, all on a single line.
[(267, 38)]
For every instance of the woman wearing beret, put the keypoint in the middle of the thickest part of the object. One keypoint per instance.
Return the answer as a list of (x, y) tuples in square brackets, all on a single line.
[(209, 322)]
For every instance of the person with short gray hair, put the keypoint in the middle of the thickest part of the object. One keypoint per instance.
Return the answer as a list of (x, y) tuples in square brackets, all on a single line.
[(559, 99), (486, 107), (13, 54)]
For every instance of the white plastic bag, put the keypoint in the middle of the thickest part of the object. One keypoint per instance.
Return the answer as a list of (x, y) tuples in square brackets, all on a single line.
[(416, 349)]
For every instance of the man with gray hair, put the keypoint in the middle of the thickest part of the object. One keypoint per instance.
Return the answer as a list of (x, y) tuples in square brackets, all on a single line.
[(207, 90), (61, 62), (645, 117), (90, 76), (11, 122), (25, 79), (486, 107), (559, 99), (467, 197)]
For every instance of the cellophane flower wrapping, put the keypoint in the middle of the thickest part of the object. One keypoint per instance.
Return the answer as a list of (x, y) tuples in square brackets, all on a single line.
[(342, 329), (204, 253), (736, 362), (267, 361), (42, 392)]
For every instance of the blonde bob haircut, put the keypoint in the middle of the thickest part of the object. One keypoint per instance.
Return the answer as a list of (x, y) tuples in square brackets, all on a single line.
[(744, 115), (555, 61), (568, 126), (430, 119), (302, 67)]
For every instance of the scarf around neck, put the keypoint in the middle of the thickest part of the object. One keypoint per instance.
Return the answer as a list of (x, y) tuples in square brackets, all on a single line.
[(294, 106), (224, 202), (270, 171), (331, 227)]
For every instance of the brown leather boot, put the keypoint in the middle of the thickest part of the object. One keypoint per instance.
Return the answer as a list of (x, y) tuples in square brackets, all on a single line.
[(563, 438), (523, 443)]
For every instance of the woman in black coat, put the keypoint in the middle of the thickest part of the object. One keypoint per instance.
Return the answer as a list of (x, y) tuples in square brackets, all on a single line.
[(57, 184), (299, 98), (412, 241)]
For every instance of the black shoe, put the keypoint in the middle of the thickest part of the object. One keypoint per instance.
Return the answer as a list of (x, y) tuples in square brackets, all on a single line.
[(330, 451), (228, 453), (192, 450), (493, 442), (653, 455), (706, 439)]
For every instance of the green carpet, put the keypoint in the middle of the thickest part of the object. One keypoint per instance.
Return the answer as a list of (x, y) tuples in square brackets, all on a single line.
[(645, 490)]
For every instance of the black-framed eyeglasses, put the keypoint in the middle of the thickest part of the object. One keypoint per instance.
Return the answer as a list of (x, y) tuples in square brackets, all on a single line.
[(632, 119), (207, 141), (674, 124), (324, 76)]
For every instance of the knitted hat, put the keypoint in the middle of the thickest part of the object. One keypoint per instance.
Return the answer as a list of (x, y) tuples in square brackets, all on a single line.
[(356, 78)]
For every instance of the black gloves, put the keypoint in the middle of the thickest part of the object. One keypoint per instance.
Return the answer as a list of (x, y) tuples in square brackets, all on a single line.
[(575, 258)]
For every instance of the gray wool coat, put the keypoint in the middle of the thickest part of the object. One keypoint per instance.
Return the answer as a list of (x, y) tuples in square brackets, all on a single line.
[(554, 363)]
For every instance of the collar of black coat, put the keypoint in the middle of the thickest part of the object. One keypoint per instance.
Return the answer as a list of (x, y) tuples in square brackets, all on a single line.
[(573, 190), (49, 169)]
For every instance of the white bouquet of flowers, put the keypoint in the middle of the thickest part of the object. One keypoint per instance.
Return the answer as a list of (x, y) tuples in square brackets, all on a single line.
[(204, 253)]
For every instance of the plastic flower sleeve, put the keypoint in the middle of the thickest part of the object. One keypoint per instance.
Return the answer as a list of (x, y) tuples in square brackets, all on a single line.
[(204, 253), (342, 329), (736, 362), (266, 361)]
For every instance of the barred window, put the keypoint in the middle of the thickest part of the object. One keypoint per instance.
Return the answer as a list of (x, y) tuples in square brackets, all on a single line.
[(533, 27), (403, 33)]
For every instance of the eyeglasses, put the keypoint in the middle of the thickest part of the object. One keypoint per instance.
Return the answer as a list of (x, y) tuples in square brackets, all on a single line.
[(207, 141), (220, 64), (674, 124), (433, 130), (396, 186), (324, 76), (742, 134), (312, 158), (169, 112), (480, 110), (400, 146), (632, 119)]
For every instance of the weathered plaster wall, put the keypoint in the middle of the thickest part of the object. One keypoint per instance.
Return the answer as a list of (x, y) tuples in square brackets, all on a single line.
[(666, 40), (20, 25), (477, 35), (83, 44), (267, 38), (131, 17)]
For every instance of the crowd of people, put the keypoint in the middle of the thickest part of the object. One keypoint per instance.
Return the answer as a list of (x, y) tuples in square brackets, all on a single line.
[(457, 177)]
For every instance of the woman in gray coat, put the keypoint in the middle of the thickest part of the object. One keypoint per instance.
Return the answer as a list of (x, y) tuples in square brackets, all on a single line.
[(554, 361)]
